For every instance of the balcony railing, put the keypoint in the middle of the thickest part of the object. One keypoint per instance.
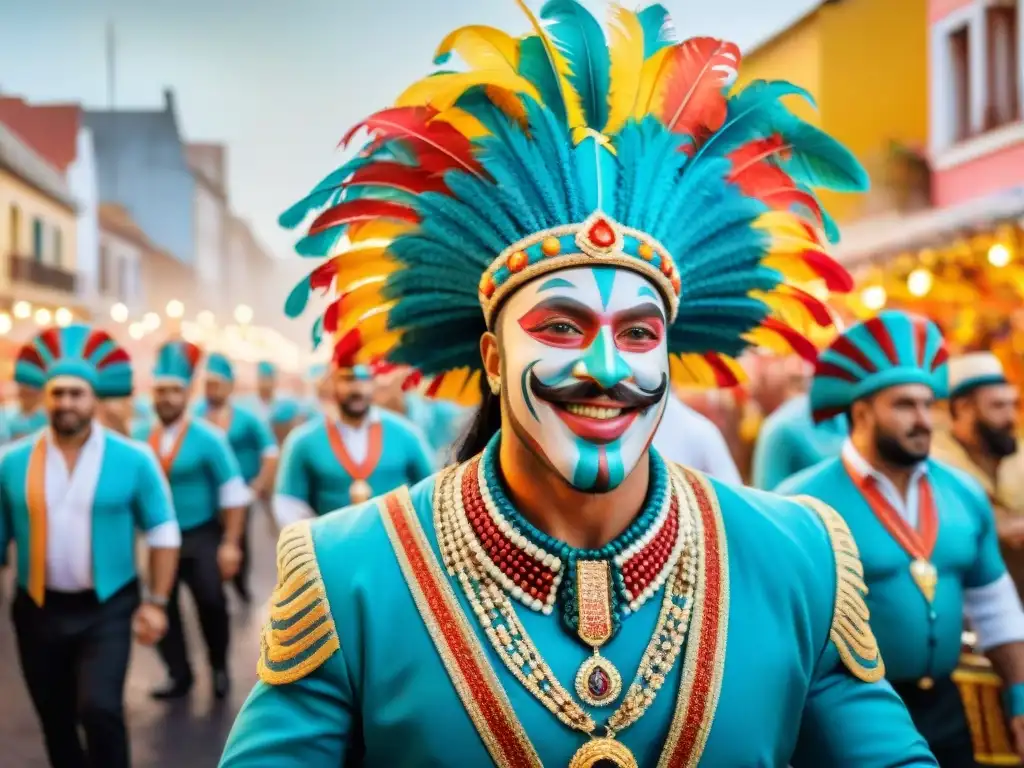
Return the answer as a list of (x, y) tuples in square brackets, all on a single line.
[(25, 269)]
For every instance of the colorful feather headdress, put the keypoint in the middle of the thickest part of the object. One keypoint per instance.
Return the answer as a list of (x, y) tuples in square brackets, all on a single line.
[(79, 351), (561, 148)]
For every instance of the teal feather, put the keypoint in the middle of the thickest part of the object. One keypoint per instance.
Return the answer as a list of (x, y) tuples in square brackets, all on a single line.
[(321, 194), (579, 37), (657, 28), (599, 175), (818, 160), (535, 66), (320, 244), (297, 299), (317, 333)]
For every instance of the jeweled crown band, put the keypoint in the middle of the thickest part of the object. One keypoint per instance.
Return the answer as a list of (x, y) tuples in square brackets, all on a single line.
[(598, 240)]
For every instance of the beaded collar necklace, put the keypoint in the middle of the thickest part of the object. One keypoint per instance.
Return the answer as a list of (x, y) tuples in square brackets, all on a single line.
[(533, 567)]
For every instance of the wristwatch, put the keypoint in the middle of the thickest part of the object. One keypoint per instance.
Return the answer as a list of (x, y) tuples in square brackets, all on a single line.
[(160, 601)]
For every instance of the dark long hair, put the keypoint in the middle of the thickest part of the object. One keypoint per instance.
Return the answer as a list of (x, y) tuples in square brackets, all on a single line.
[(485, 424)]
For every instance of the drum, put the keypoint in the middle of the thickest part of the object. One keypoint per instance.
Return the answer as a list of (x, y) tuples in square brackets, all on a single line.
[(982, 694)]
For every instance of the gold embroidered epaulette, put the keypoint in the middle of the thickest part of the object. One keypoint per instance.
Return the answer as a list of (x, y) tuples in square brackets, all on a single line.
[(851, 631), (300, 634)]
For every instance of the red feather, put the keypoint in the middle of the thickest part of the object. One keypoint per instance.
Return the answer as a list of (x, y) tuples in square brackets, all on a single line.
[(414, 124), (724, 376), (356, 211), (30, 354), (817, 309), (50, 338), (836, 278), (435, 385), (754, 153), (412, 381), (322, 276), (192, 353), (799, 343), (331, 316), (397, 176), (95, 341), (759, 178), (698, 72), (346, 348)]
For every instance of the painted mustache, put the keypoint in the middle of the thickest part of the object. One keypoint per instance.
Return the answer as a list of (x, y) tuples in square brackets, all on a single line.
[(623, 395)]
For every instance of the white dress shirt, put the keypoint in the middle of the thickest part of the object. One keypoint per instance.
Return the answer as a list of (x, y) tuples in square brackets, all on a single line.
[(994, 610), (232, 494), (69, 502), (288, 509), (690, 438)]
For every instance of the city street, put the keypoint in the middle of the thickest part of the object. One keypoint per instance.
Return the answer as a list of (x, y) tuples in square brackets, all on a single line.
[(188, 733)]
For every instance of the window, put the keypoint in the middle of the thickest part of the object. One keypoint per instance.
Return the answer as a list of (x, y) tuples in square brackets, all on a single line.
[(960, 57), (105, 270), (37, 239), (58, 247), (15, 234), (1002, 64), (123, 279)]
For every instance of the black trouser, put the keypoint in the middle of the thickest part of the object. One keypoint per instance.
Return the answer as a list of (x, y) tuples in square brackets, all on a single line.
[(74, 655), (197, 567), (241, 580), (938, 714)]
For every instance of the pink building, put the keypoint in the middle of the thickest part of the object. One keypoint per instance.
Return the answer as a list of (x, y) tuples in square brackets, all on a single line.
[(976, 141)]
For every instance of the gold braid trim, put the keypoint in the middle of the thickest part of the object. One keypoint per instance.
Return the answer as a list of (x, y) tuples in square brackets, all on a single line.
[(300, 635), (850, 631)]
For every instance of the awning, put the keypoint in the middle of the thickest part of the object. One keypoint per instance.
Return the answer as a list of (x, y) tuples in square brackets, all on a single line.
[(891, 234)]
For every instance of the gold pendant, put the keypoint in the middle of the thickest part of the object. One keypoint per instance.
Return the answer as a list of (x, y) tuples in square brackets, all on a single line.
[(359, 492), (598, 682), (594, 602), (925, 576), (603, 753)]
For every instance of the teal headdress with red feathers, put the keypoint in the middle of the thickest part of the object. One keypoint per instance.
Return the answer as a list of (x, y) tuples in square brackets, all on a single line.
[(79, 351), (568, 146)]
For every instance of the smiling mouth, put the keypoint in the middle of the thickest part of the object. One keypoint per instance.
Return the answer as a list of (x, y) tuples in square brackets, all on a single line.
[(596, 423)]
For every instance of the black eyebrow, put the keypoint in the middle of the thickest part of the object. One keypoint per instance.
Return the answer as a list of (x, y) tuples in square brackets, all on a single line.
[(646, 309), (566, 306)]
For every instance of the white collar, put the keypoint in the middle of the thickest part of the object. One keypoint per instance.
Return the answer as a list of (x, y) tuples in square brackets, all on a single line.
[(95, 436), (864, 468), (372, 417)]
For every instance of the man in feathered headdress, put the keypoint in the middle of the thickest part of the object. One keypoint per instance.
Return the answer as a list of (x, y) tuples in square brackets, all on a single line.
[(925, 531), (72, 498), (251, 440), (572, 222), (210, 497)]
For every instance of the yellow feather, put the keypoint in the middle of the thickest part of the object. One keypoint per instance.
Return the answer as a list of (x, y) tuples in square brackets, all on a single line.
[(507, 102), (787, 308), (769, 340), (627, 62), (463, 122), (378, 347), (453, 385), (359, 253), (379, 229), (470, 395), (358, 272), (791, 266), (371, 324), (442, 91), (691, 369), (482, 47), (650, 76), (571, 98)]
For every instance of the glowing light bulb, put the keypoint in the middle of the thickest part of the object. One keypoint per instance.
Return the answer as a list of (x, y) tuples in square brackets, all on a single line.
[(150, 321), (998, 255), (874, 297), (175, 308), (136, 331), (119, 313), (63, 316), (207, 318), (920, 282), (22, 310), (43, 316), (5, 323), (243, 314)]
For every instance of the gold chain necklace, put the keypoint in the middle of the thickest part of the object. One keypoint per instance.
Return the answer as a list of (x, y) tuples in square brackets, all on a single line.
[(496, 613)]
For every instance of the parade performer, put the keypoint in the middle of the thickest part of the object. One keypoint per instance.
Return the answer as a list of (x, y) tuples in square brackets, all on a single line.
[(280, 411), (790, 441), (925, 531), (982, 441), (30, 414), (72, 499), (588, 218), (332, 462), (210, 498), (249, 436)]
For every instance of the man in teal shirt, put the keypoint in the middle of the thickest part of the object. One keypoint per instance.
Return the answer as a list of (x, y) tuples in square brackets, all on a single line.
[(251, 440), (210, 497), (563, 596), (925, 530), (72, 499), (29, 415), (280, 411), (790, 441)]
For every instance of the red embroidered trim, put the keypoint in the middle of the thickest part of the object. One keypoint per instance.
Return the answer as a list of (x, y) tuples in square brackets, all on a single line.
[(644, 567)]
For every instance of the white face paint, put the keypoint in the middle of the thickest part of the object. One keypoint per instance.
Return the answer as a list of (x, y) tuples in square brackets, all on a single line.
[(585, 370)]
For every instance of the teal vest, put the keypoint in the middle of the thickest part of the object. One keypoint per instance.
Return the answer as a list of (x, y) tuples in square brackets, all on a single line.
[(916, 639), (310, 472), (248, 436), (130, 496), (790, 442)]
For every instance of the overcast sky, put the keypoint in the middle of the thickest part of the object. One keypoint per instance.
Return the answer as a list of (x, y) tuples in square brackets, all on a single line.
[(279, 81)]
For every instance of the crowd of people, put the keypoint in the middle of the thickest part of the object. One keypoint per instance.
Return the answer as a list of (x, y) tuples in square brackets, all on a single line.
[(570, 571)]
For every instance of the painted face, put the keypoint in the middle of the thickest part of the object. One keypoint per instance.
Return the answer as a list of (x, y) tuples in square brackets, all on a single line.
[(586, 371)]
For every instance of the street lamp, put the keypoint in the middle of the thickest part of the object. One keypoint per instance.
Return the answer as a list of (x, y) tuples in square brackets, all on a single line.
[(136, 331), (175, 309), (22, 310), (150, 321), (5, 323), (243, 314), (119, 313), (43, 316)]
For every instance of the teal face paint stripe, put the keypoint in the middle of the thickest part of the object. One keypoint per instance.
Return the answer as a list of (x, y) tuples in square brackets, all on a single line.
[(648, 292), (616, 469), (605, 277), (555, 282), (526, 390), (603, 361), (585, 475)]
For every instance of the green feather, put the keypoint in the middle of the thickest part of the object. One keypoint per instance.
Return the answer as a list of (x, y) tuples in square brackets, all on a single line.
[(296, 302), (818, 160), (579, 37), (657, 29), (535, 66)]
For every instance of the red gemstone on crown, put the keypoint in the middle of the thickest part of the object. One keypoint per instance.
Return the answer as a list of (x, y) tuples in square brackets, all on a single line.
[(601, 234)]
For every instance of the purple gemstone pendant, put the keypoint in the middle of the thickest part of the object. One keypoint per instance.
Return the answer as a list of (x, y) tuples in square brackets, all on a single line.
[(598, 682)]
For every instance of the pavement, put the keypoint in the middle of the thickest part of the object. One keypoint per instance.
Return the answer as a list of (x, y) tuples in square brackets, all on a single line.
[(189, 733)]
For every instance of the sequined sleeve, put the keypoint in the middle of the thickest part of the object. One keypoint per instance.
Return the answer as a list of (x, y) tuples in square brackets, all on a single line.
[(850, 633), (300, 634)]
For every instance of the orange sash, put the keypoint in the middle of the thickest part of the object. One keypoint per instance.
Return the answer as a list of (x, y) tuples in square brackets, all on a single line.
[(167, 460), (35, 500), (364, 469)]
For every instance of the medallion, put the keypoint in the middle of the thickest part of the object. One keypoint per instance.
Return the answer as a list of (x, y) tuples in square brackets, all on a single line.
[(925, 576), (603, 753), (359, 492), (598, 683)]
